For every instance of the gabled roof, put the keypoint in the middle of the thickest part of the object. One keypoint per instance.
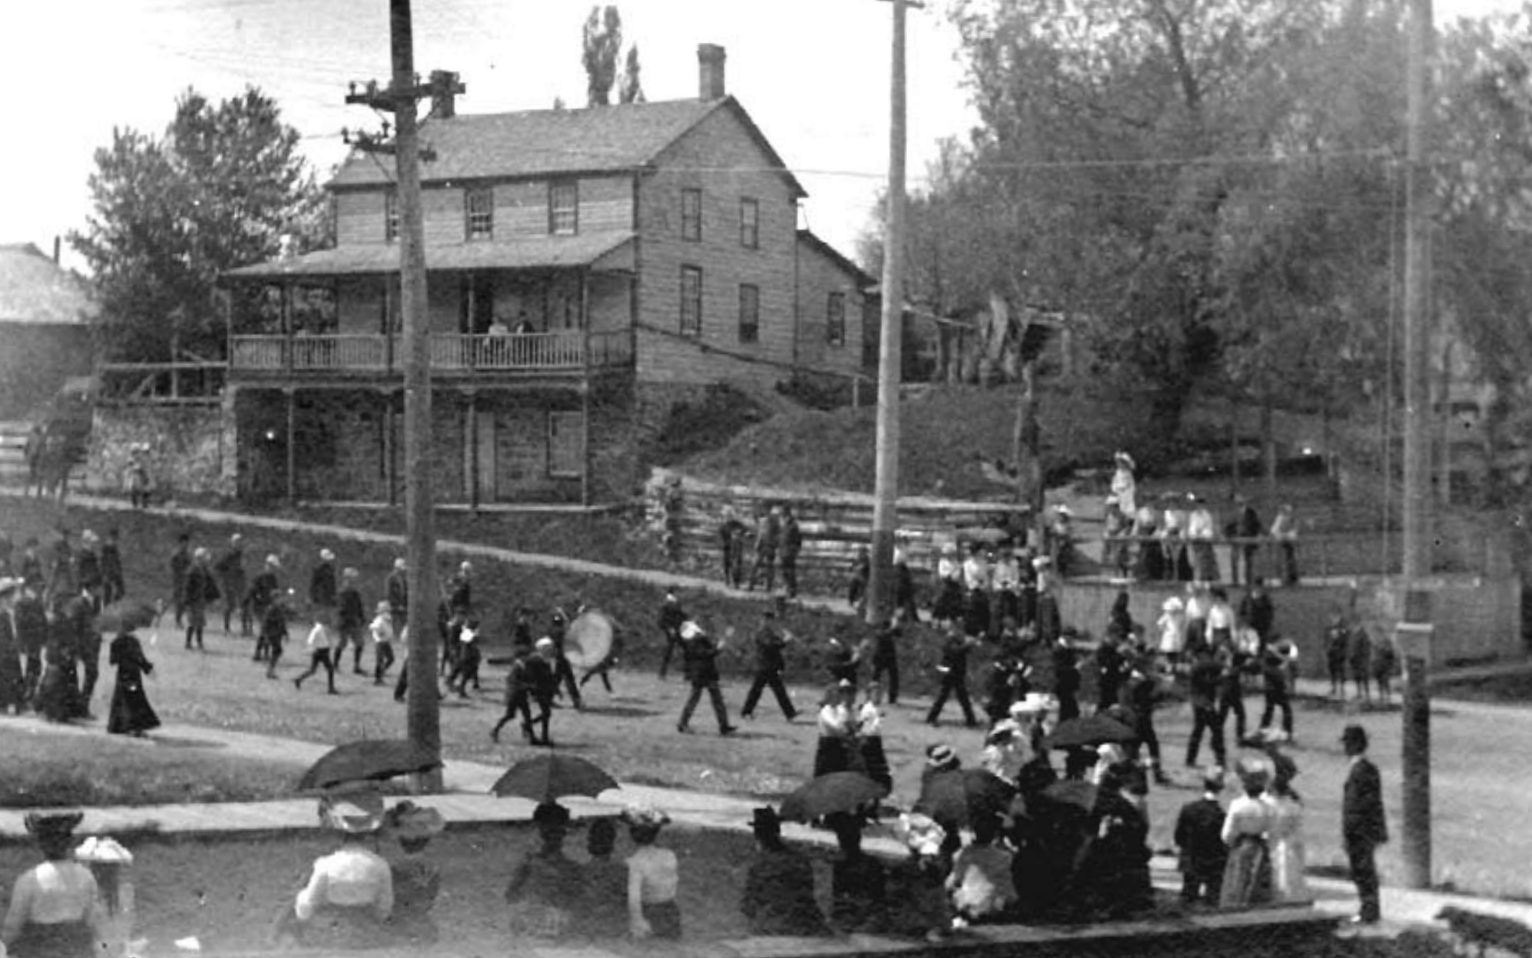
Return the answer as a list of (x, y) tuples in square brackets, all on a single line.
[(36, 290), (607, 250), (536, 143), (864, 281)]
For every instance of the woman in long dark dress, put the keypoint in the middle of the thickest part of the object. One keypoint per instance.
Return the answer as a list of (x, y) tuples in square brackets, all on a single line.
[(58, 691), (131, 713)]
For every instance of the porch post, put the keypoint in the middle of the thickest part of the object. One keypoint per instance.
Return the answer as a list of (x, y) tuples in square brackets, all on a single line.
[(292, 448), (585, 443), (473, 450), (585, 320), (388, 337), (467, 329), (287, 321), (390, 467)]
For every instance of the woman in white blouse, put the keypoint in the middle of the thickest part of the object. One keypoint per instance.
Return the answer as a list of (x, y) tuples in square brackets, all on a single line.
[(653, 877), (55, 907), (351, 890), (1247, 877), (1286, 838)]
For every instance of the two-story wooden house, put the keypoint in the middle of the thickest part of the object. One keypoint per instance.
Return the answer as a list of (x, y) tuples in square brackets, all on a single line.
[(586, 269)]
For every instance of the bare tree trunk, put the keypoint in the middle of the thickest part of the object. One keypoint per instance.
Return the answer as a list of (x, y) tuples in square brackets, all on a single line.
[(1269, 449), (1027, 449)]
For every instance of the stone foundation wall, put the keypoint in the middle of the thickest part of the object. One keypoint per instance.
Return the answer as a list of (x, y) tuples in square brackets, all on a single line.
[(191, 449)]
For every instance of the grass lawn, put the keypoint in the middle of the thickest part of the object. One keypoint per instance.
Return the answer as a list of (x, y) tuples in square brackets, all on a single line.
[(1478, 803)]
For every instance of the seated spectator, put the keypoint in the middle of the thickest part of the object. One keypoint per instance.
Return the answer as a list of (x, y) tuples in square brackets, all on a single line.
[(55, 908), (980, 881), (545, 886), (604, 899), (918, 883), (349, 896), (779, 885), (653, 878), (416, 880), (857, 892)]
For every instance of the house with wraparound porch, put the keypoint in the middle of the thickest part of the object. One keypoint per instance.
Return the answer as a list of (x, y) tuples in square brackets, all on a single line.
[(586, 270)]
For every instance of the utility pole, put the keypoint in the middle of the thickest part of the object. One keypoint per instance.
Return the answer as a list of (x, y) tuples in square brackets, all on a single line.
[(885, 509), (423, 722), (1415, 631)]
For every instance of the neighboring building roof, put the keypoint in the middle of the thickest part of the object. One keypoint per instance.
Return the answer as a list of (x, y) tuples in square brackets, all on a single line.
[(36, 290), (533, 143), (864, 281), (603, 250)]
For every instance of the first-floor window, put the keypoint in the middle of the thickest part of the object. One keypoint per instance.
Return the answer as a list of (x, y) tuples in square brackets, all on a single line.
[(835, 320), (691, 301), (566, 444), (749, 313)]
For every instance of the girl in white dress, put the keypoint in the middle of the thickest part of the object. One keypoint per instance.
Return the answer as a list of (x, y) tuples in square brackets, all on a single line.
[(1286, 836)]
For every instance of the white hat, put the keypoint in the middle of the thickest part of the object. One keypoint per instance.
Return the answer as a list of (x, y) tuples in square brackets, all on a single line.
[(1173, 604), (272, 560), (1033, 703), (466, 566), (8, 585), (468, 635), (690, 629), (325, 555), (1124, 458), (399, 564), (1041, 562), (103, 850), (1063, 510), (544, 643)]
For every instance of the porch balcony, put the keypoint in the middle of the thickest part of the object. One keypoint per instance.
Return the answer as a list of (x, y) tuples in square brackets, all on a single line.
[(363, 355)]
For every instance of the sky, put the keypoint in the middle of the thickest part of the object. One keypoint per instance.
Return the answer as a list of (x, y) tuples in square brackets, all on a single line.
[(814, 74)]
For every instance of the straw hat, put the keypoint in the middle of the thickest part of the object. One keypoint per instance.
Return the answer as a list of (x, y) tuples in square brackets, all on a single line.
[(644, 816), (690, 630), (1173, 604), (103, 851), (920, 833), (325, 555), (357, 814)]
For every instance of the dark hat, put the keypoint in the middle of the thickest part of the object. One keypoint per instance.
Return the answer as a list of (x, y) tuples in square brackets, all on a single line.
[(550, 813), (1213, 779), (410, 821), (602, 837), (766, 821), (46, 825), (940, 756), (1354, 734)]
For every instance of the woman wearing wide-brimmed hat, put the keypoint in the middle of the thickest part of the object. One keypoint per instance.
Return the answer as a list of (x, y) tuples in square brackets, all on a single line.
[(653, 877), (55, 907), (349, 895), (1247, 876)]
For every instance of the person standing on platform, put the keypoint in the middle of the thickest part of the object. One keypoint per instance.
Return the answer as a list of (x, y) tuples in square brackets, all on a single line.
[(1363, 826), (701, 664), (768, 539), (1284, 529), (770, 662), (180, 565), (231, 579), (953, 670), (792, 545), (671, 618)]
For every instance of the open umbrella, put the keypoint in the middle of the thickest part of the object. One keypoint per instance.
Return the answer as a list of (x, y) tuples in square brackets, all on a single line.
[(367, 760), (547, 778), (124, 615), (963, 796), (1071, 791), (831, 793), (1090, 731)]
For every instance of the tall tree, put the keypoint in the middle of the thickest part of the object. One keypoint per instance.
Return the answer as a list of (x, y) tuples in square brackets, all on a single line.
[(220, 189), (631, 87), (602, 42)]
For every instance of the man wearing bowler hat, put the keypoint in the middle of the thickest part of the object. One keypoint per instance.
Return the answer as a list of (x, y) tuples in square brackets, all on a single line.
[(1363, 826)]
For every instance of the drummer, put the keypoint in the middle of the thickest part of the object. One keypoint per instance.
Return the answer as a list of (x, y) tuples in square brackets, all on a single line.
[(596, 642)]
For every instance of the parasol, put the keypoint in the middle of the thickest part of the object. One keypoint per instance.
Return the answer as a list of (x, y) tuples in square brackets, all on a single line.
[(588, 640), (1091, 731), (367, 760), (547, 778), (963, 796), (831, 793)]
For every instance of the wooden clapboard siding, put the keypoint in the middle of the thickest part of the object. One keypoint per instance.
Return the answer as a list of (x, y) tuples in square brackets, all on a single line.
[(719, 157), (358, 217), (818, 277)]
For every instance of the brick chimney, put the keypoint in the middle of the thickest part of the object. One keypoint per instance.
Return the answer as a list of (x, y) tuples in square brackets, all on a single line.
[(444, 90), (710, 57)]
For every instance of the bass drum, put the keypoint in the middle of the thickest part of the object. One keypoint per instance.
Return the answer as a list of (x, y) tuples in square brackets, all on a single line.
[(588, 640)]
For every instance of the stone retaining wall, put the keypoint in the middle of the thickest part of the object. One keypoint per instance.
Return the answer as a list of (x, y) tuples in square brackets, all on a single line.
[(191, 448)]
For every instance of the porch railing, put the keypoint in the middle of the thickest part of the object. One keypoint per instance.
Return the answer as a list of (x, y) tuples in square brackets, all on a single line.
[(567, 350)]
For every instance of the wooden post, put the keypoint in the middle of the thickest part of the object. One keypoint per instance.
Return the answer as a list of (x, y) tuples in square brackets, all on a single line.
[(287, 322), (473, 451), (390, 458), (292, 445), (585, 443), (388, 323)]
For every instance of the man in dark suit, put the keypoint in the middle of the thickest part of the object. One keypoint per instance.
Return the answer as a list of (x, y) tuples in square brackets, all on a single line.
[(1362, 823), (700, 661), (770, 662), (1199, 830)]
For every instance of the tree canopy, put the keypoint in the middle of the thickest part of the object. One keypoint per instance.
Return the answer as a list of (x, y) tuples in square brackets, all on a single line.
[(219, 189), (601, 49)]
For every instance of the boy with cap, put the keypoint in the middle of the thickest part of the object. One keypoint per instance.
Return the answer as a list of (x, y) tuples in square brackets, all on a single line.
[(1363, 826)]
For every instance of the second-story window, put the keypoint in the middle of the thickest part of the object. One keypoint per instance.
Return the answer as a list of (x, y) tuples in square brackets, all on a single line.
[(835, 320), (390, 216), (691, 301), (749, 224), (564, 207), (479, 207), (691, 215), (749, 313)]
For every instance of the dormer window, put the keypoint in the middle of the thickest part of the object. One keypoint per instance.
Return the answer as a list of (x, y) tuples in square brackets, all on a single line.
[(564, 207), (479, 210)]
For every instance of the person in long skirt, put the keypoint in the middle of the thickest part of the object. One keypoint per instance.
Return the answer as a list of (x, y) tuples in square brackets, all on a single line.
[(1286, 839), (869, 737), (12, 678), (130, 712), (836, 751), (1247, 876), (58, 691)]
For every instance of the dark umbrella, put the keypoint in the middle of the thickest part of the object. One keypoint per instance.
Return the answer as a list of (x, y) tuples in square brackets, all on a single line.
[(831, 793), (125, 615), (547, 778), (1071, 791), (368, 760), (962, 796), (1090, 731)]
